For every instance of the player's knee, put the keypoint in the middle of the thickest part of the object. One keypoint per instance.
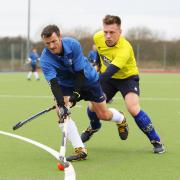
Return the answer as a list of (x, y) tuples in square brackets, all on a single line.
[(104, 115), (133, 110)]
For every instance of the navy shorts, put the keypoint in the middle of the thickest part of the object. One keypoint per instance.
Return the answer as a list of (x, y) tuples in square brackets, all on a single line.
[(92, 93), (112, 86), (33, 67)]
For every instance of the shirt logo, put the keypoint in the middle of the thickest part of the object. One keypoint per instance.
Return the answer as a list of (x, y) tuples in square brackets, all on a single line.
[(105, 60)]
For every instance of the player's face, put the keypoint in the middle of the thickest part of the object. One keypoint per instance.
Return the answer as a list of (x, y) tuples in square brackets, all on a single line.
[(112, 33), (53, 43)]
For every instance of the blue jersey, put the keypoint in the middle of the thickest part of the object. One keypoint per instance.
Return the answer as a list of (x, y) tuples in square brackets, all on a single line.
[(63, 67), (33, 57)]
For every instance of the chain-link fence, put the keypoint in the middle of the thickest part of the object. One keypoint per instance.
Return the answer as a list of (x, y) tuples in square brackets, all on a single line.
[(157, 55), (149, 55), (12, 54)]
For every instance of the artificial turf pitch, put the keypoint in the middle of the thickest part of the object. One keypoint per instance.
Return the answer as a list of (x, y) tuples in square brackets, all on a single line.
[(109, 158)]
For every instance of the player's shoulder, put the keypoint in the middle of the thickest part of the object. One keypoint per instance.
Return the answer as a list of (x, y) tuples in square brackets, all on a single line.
[(98, 35), (70, 40), (124, 39), (124, 42), (45, 51), (44, 55), (70, 45)]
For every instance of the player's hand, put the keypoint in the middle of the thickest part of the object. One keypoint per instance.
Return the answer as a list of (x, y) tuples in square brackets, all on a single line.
[(76, 97), (63, 112)]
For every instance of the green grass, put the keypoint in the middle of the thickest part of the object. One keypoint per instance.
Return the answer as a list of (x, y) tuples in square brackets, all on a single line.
[(109, 158)]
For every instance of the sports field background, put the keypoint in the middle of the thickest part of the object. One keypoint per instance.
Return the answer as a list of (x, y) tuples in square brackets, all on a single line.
[(109, 157)]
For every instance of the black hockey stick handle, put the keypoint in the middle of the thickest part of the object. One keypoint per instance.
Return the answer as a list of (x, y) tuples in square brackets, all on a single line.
[(21, 123)]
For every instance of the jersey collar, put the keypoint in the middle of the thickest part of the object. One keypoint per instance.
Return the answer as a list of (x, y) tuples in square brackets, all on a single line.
[(66, 48)]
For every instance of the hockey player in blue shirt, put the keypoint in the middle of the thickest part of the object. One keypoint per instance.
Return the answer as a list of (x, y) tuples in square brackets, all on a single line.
[(32, 60), (71, 78)]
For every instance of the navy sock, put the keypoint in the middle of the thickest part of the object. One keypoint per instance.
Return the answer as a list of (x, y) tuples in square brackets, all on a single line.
[(144, 123), (94, 120)]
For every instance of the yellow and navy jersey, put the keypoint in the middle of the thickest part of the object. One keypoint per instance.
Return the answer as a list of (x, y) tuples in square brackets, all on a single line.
[(120, 55)]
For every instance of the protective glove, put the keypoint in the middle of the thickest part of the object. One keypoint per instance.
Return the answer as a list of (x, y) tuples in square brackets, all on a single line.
[(63, 112), (76, 97)]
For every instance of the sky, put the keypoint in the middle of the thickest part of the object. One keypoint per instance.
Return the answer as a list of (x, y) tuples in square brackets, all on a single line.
[(160, 16)]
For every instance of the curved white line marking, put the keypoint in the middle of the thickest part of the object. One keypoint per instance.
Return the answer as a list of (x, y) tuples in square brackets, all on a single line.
[(42, 146), (69, 171)]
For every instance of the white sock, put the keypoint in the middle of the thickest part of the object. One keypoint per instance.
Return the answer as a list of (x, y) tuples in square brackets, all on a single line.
[(36, 75), (117, 116), (73, 134), (29, 75)]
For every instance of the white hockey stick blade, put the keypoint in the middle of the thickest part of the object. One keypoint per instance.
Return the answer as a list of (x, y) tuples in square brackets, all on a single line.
[(69, 173)]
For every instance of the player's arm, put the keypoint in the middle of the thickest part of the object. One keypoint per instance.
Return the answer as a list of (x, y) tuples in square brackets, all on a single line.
[(79, 81), (57, 92), (78, 67), (110, 71), (97, 63)]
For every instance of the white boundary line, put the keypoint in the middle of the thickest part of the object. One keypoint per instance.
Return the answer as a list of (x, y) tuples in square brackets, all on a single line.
[(30, 97), (24, 96), (69, 171), (48, 97), (42, 146), (153, 99)]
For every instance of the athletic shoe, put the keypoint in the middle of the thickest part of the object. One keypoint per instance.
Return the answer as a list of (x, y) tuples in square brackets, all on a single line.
[(87, 134), (80, 154), (158, 147), (123, 129)]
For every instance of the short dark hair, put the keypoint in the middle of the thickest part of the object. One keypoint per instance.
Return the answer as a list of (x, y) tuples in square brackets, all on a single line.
[(49, 30), (110, 19)]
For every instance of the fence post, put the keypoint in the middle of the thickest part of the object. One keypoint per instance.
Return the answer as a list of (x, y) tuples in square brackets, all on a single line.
[(137, 52), (12, 56), (22, 54), (164, 55)]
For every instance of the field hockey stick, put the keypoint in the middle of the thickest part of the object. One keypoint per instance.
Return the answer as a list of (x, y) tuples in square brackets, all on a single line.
[(68, 168), (21, 123), (62, 153)]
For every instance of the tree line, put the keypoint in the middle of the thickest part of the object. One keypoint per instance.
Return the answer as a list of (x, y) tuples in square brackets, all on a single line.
[(149, 48)]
